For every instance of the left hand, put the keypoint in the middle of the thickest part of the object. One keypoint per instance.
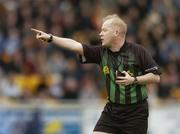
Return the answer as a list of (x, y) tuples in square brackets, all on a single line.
[(124, 80)]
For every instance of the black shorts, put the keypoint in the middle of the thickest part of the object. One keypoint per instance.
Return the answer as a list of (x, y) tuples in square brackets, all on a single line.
[(124, 119)]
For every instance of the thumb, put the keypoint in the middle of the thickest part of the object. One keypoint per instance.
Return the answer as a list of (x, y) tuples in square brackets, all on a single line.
[(124, 72)]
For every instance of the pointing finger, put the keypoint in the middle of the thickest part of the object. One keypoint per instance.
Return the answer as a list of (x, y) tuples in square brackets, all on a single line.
[(35, 30)]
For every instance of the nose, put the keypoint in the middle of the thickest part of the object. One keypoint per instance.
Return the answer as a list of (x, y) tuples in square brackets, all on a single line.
[(100, 34)]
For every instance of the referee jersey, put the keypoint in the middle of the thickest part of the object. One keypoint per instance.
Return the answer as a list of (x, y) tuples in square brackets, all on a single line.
[(131, 58)]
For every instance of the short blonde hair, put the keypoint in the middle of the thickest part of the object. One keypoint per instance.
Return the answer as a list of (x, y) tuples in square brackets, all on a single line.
[(117, 21)]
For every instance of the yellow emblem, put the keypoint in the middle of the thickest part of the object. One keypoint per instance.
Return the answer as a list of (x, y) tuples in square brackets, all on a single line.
[(106, 69)]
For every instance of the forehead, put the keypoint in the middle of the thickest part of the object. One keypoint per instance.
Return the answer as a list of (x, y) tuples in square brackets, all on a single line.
[(107, 23)]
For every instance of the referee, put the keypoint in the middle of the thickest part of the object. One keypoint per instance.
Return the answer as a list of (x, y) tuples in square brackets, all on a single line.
[(127, 68)]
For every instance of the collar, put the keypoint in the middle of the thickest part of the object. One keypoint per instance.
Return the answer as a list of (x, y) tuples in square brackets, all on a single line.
[(122, 49)]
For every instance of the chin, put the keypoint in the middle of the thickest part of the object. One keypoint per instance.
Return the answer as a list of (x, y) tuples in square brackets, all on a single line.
[(105, 45)]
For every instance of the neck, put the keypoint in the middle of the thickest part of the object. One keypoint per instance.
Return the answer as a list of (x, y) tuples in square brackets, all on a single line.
[(117, 46)]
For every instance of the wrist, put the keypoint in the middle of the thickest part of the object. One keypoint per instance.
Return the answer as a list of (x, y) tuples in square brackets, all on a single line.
[(135, 80), (50, 38)]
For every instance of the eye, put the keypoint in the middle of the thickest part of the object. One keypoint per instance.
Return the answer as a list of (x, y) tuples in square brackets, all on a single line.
[(104, 30)]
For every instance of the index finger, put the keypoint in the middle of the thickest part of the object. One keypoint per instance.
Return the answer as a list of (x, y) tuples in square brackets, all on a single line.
[(120, 78), (35, 30)]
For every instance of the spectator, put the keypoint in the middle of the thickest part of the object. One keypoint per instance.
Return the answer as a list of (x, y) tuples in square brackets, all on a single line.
[(154, 23)]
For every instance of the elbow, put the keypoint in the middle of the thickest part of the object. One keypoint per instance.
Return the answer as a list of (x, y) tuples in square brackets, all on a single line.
[(78, 49), (157, 79)]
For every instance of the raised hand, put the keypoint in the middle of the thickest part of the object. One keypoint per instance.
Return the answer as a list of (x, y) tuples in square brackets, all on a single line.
[(40, 35)]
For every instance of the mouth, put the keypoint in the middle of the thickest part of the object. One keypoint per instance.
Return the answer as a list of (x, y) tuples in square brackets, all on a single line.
[(102, 39)]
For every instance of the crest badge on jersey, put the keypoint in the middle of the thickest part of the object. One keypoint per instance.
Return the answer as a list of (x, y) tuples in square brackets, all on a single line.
[(106, 69)]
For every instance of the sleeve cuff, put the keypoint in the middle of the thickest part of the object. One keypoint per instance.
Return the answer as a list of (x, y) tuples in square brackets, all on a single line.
[(82, 59)]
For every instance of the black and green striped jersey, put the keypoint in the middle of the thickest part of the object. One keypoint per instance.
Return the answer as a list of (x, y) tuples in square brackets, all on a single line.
[(132, 58)]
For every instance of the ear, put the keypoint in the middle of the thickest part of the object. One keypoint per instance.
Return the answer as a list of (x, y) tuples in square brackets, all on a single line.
[(116, 33)]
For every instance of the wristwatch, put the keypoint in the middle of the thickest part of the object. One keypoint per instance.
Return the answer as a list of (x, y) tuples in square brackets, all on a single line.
[(135, 80), (50, 38)]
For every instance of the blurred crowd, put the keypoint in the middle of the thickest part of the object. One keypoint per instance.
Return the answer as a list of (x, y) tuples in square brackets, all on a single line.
[(30, 69)]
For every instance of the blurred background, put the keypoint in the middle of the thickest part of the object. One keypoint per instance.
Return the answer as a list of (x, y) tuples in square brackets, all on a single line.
[(45, 90)]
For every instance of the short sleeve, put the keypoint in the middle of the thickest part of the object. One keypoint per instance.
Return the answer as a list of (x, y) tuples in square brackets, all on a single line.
[(147, 62), (92, 54)]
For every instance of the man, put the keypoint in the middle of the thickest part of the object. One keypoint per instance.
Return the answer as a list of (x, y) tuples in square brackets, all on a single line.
[(127, 68)]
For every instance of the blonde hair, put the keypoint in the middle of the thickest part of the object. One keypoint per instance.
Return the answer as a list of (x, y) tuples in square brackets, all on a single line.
[(117, 21)]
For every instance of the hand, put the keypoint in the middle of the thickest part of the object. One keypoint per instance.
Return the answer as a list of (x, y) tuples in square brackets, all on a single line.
[(125, 80), (41, 35)]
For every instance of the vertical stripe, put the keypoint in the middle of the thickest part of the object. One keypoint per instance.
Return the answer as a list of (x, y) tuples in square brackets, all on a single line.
[(128, 94), (127, 67), (114, 90), (135, 88), (117, 94), (120, 69), (107, 76), (144, 92), (108, 85), (104, 59), (139, 93), (133, 94), (122, 94), (112, 86)]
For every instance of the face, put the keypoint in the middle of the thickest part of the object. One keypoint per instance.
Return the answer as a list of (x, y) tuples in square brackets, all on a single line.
[(107, 33)]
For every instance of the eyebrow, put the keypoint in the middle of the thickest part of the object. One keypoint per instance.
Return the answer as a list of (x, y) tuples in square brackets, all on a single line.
[(103, 28)]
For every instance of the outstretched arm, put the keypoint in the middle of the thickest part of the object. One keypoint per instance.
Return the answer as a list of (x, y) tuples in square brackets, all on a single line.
[(65, 43)]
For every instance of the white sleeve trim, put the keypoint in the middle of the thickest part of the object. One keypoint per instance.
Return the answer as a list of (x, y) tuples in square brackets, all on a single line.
[(83, 58)]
